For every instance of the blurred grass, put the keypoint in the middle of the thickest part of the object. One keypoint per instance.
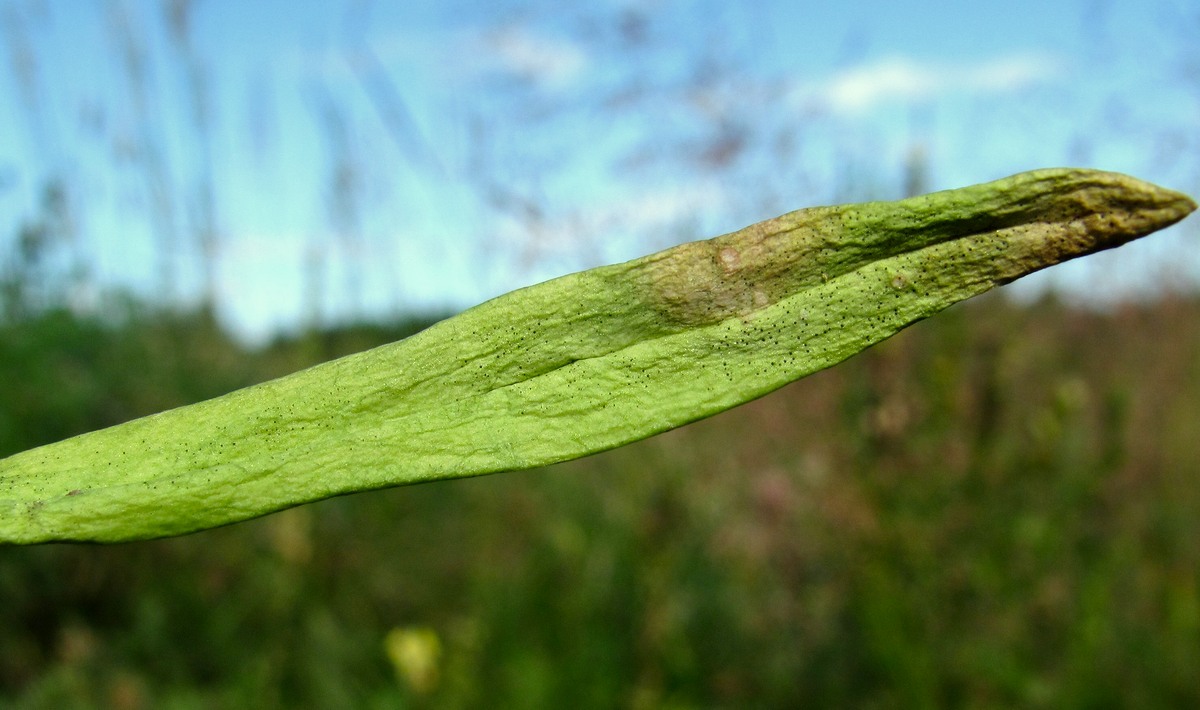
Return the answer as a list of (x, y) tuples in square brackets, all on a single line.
[(998, 507)]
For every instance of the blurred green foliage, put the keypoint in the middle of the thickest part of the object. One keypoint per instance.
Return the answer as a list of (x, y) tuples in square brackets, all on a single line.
[(998, 507)]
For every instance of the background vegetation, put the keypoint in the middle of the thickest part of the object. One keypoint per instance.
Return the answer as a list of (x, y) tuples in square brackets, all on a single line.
[(958, 517)]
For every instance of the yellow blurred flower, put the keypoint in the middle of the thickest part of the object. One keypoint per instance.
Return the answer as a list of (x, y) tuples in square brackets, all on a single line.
[(414, 653)]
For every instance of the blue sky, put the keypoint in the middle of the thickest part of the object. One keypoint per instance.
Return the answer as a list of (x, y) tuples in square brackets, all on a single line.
[(332, 160)]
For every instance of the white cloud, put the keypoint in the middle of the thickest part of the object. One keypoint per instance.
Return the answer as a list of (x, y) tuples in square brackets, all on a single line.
[(659, 208), (514, 50), (611, 227), (548, 61), (649, 211), (907, 80)]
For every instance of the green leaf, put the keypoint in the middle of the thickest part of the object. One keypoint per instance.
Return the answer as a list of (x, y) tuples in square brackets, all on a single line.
[(574, 365)]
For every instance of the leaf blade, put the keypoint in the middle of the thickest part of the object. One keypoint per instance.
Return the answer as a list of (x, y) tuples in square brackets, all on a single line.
[(576, 365)]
